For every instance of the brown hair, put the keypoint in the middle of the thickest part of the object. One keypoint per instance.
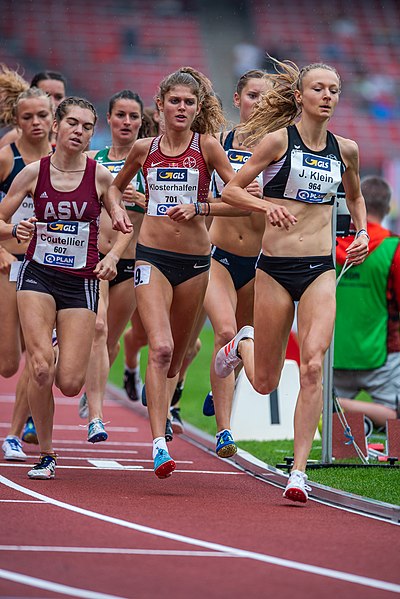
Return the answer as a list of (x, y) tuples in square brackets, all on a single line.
[(210, 118), (11, 86), (278, 107), (377, 194), (244, 79), (64, 106)]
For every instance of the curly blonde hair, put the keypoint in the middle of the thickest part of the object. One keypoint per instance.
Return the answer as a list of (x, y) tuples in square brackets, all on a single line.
[(210, 118), (12, 84), (278, 107)]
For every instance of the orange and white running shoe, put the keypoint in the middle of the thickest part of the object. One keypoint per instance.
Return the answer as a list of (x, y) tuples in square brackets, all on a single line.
[(296, 488), (227, 358)]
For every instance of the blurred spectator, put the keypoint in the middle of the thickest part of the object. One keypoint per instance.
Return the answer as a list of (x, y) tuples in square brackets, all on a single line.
[(367, 332), (246, 57)]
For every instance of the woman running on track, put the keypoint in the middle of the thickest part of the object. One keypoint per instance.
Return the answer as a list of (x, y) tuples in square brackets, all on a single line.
[(58, 281), (51, 82), (117, 297), (33, 115), (173, 250), (236, 245), (302, 166)]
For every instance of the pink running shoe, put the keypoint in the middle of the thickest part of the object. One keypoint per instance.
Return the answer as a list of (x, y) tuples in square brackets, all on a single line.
[(227, 358)]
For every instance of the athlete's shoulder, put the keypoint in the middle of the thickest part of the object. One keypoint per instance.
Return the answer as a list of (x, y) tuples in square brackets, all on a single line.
[(348, 147)]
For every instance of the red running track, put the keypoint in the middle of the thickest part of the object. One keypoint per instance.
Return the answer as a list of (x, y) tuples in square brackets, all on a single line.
[(112, 529)]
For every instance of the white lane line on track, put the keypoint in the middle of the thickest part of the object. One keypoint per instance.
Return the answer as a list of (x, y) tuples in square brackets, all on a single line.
[(84, 442), (78, 427), (88, 459), (269, 559), (133, 468), (97, 451), (54, 587), (21, 501), (110, 465), (113, 550)]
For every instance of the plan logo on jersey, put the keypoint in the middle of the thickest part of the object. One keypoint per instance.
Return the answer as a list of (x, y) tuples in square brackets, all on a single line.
[(172, 174), (63, 227), (189, 162), (309, 196), (59, 260), (162, 209), (316, 162)]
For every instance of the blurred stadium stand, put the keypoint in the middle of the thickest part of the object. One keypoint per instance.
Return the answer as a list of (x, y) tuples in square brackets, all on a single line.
[(103, 46)]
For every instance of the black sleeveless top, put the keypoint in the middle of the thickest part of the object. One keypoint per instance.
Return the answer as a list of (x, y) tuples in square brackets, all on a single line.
[(305, 175), (17, 167)]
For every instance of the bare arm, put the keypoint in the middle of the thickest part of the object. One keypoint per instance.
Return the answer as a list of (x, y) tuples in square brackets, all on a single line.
[(106, 268), (358, 249), (271, 147), (24, 184), (114, 207)]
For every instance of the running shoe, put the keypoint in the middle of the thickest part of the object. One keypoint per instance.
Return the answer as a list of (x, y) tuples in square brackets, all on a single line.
[(29, 434), (296, 488), (133, 383), (164, 465), (144, 398), (208, 405), (12, 448), (177, 393), (83, 406), (226, 446), (176, 421), (96, 431), (228, 358), (45, 469), (169, 433)]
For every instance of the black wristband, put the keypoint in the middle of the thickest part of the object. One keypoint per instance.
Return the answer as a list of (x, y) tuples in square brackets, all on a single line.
[(14, 231)]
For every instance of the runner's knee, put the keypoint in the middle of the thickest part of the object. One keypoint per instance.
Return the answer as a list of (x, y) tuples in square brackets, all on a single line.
[(161, 353)]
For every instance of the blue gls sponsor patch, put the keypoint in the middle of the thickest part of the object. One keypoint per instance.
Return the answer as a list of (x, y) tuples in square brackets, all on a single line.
[(312, 161), (162, 208), (309, 196), (63, 227), (56, 260), (172, 174)]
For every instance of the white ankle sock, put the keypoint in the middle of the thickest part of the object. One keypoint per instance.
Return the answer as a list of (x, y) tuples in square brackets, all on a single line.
[(159, 443)]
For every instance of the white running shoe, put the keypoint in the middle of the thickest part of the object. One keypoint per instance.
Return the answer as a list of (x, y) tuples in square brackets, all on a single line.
[(227, 358), (83, 406), (296, 488), (12, 448), (45, 469)]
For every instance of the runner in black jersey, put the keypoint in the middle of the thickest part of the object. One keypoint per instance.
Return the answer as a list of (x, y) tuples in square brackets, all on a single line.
[(33, 116), (236, 245), (173, 250), (302, 166), (58, 282)]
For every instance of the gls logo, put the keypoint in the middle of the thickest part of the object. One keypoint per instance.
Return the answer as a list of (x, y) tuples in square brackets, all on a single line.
[(241, 157), (176, 174), (63, 227), (162, 209), (315, 162)]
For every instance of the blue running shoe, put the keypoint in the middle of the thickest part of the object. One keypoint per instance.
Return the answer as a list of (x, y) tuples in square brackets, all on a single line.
[(226, 446), (29, 434), (208, 405), (96, 431), (164, 465), (144, 398)]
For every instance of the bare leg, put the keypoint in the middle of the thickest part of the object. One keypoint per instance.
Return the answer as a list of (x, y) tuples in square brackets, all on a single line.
[(379, 414), (21, 406)]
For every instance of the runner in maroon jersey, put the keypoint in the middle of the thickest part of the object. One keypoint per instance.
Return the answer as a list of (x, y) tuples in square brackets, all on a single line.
[(173, 250), (58, 282)]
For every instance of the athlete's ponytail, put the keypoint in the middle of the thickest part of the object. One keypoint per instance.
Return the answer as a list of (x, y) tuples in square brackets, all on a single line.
[(210, 118), (11, 86)]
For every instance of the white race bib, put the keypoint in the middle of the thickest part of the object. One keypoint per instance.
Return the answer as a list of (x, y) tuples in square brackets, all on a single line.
[(237, 159), (312, 178), (62, 243), (24, 211), (169, 187)]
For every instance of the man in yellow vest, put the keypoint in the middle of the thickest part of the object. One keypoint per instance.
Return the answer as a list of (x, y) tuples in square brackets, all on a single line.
[(367, 331)]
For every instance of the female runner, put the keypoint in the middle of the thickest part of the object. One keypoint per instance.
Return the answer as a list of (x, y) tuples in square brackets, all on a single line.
[(173, 250), (58, 279), (303, 165)]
